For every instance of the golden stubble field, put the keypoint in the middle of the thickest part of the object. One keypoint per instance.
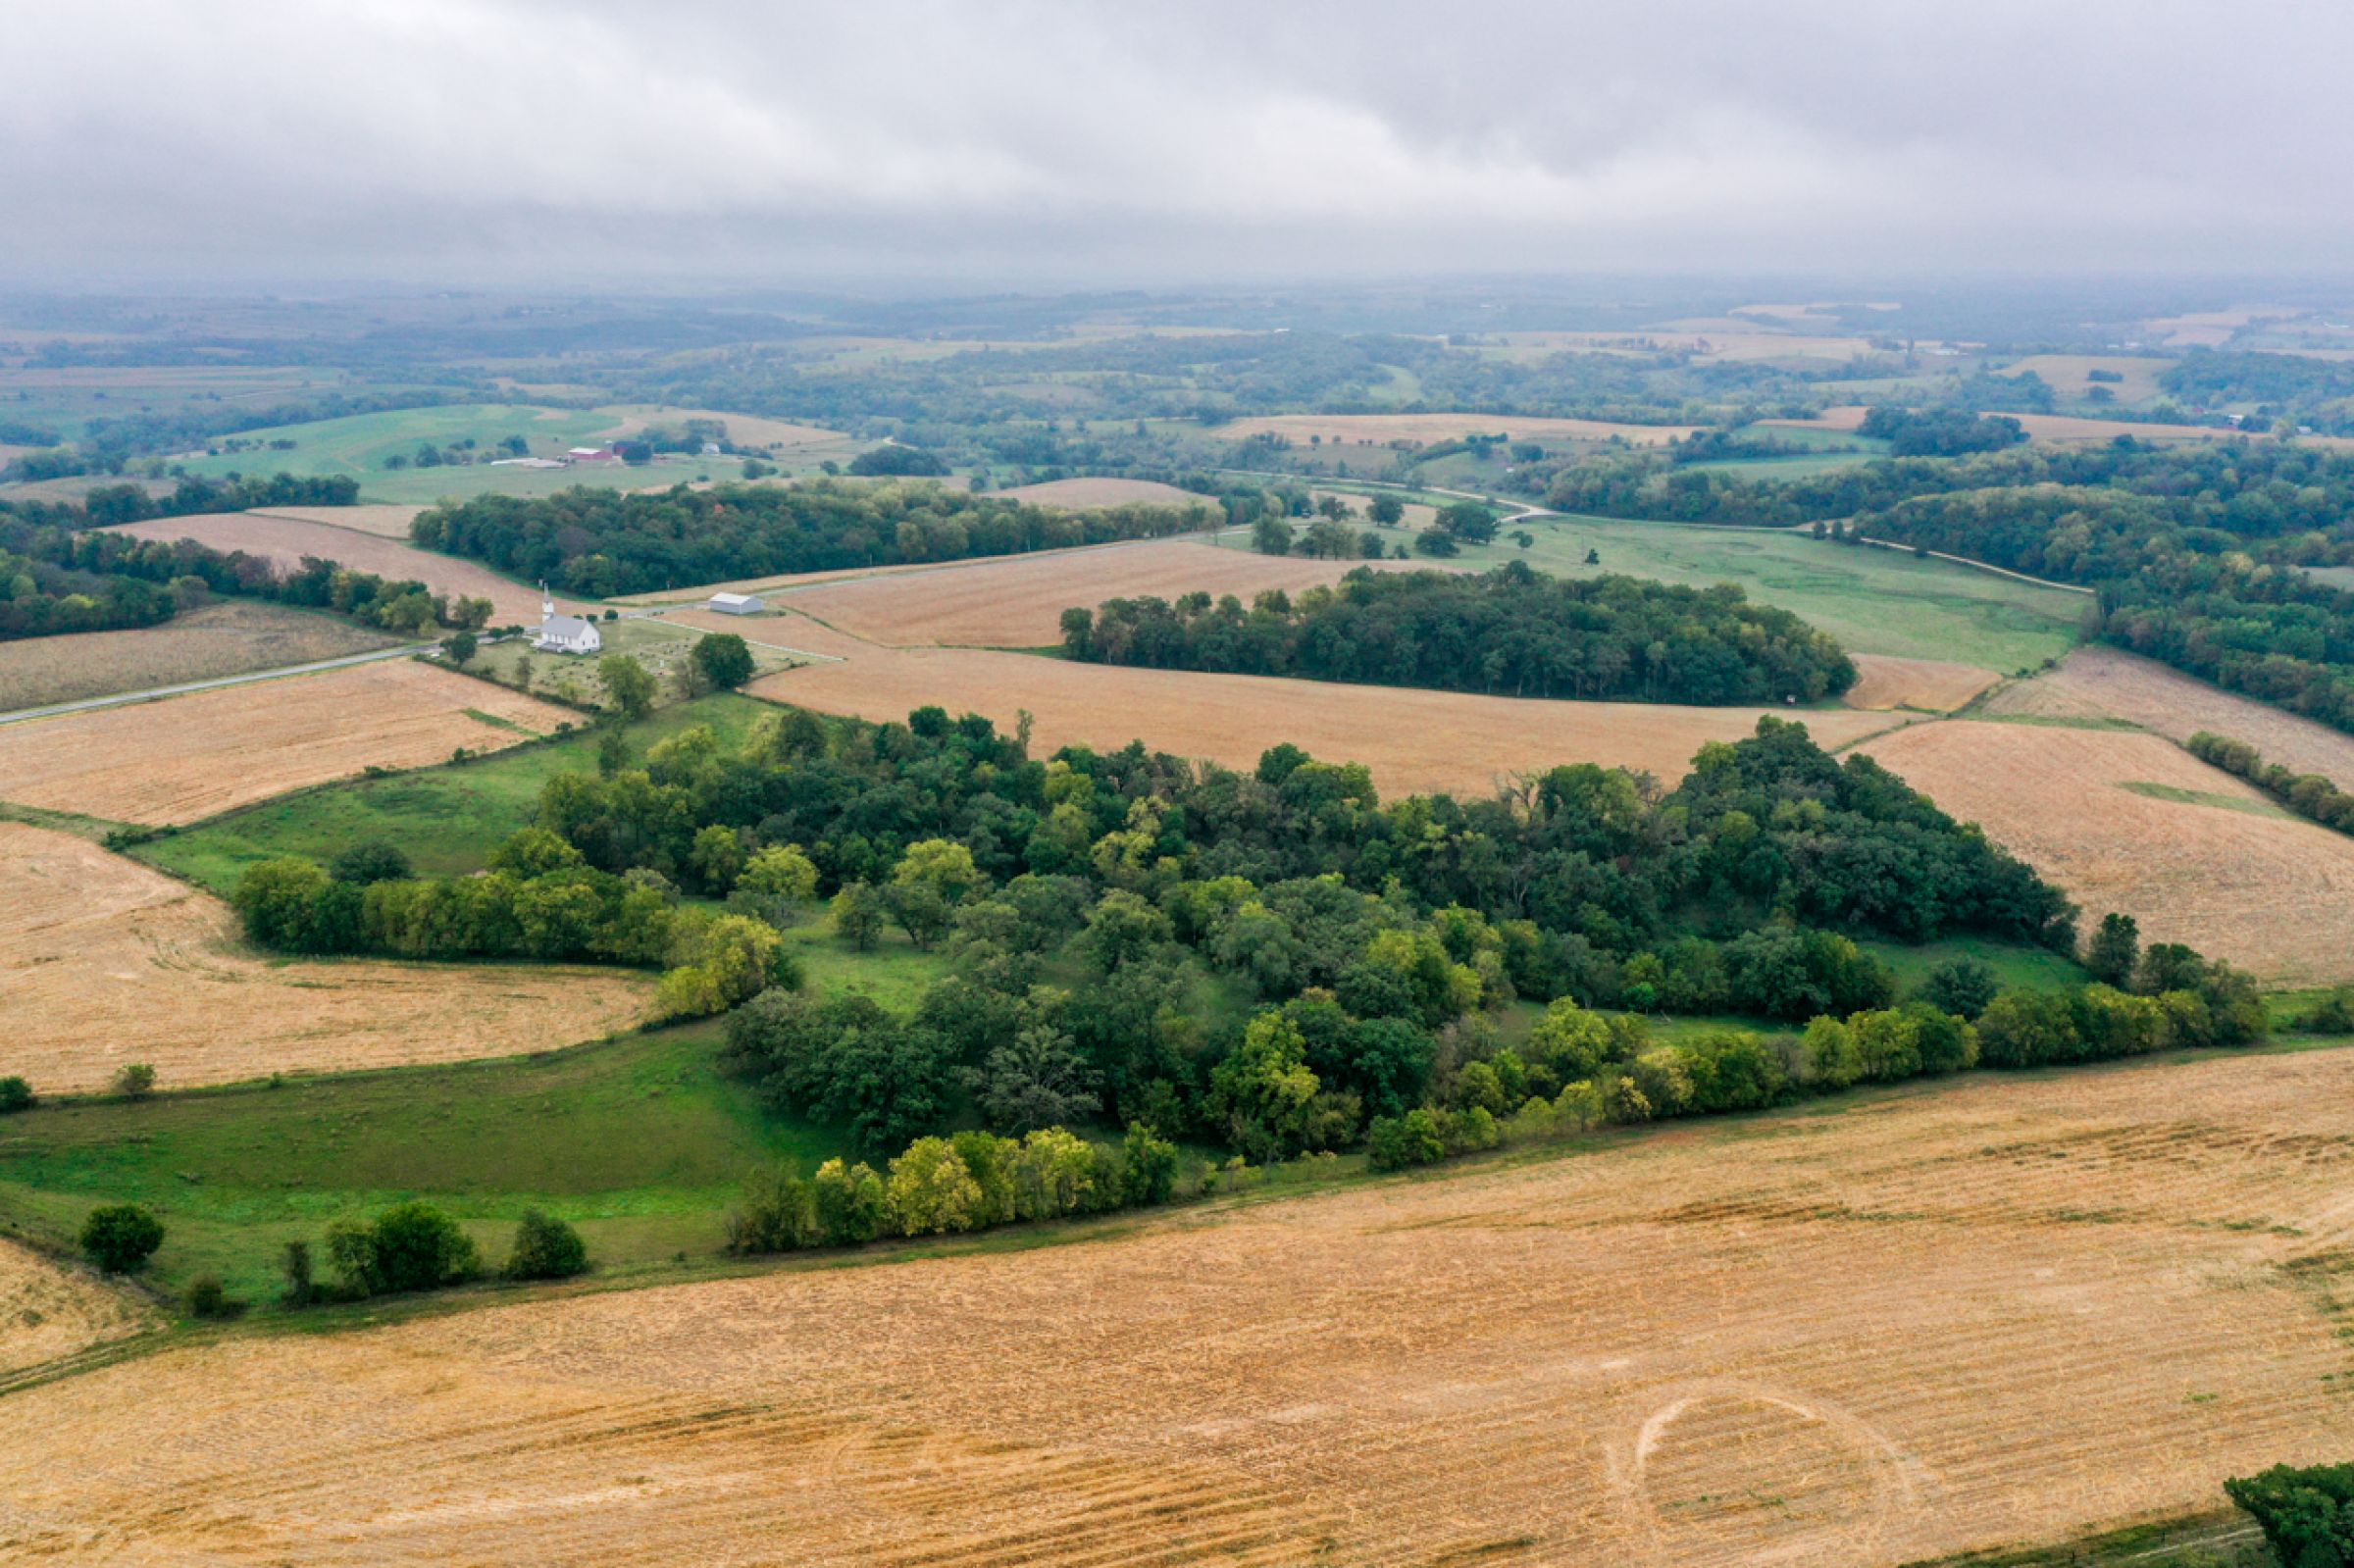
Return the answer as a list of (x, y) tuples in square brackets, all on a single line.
[(1079, 495), (287, 539), (228, 637), (184, 758), (1350, 429), (2097, 681), (1414, 740), (1991, 1312), (1018, 601), (48, 1312), (2195, 855), (1931, 684), (105, 962)]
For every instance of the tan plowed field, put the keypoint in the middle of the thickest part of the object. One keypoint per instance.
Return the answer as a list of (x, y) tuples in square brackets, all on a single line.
[(228, 637), (1350, 429), (2223, 871), (1930, 685), (186, 758), (48, 1312), (287, 539), (1414, 740), (1018, 602), (1955, 1317), (383, 519), (105, 962), (1097, 491), (2096, 681)]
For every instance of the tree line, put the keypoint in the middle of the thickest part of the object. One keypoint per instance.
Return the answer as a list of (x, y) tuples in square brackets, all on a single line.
[(2309, 794), (597, 541), (61, 573), (1512, 631)]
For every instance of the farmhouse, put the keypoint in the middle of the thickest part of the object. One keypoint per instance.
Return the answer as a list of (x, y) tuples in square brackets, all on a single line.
[(591, 454), (738, 603), (564, 633)]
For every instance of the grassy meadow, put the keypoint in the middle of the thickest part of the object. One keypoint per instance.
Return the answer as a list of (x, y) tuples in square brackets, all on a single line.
[(1874, 601), (447, 818)]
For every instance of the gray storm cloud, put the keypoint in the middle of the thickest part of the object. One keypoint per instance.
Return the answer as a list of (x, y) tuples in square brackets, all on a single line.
[(505, 139)]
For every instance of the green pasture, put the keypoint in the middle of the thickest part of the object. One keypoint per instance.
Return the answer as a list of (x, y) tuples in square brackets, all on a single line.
[(1873, 600), (447, 818)]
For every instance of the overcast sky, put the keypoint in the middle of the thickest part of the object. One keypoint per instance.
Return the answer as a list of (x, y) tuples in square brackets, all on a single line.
[(1135, 143)]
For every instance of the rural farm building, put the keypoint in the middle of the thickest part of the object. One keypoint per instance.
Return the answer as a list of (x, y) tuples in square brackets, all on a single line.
[(738, 603), (565, 634)]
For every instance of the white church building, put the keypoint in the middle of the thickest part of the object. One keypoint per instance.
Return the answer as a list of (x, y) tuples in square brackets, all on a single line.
[(564, 633)]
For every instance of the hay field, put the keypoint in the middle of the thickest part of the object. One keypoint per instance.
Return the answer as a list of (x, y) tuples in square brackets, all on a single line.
[(228, 637), (2132, 821), (1379, 429), (743, 430), (385, 519), (1934, 686), (2097, 683), (1414, 740), (1081, 493), (1018, 602), (105, 961), (1997, 1311), (184, 758), (48, 1312), (288, 540), (2067, 373)]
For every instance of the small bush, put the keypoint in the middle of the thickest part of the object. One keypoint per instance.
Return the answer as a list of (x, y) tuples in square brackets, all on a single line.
[(546, 1248), (15, 1095), (120, 1238), (206, 1297), (135, 1082), (302, 1289)]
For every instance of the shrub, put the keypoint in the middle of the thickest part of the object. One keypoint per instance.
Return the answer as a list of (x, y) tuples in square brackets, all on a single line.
[(301, 1290), (852, 1204), (1960, 985), (931, 1192), (1395, 1142), (778, 1213), (121, 1237), (16, 1094), (206, 1297), (1147, 1169), (410, 1246), (546, 1248), (135, 1080)]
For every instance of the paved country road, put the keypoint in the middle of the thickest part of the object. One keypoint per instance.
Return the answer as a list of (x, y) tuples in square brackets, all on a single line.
[(152, 692)]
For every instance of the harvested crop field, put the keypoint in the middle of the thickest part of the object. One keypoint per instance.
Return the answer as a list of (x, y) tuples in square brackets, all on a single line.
[(1017, 602), (1350, 429), (1081, 493), (388, 521), (184, 758), (105, 962), (2103, 683), (230, 637), (743, 430), (48, 1312), (2130, 821), (1414, 740), (288, 540), (1947, 1318), (2068, 374), (1930, 685)]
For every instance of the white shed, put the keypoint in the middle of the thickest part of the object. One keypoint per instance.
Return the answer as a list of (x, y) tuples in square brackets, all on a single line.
[(736, 603)]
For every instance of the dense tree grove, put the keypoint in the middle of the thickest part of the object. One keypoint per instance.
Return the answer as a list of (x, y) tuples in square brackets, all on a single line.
[(59, 573), (1510, 631), (2306, 1513), (598, 541), (1940, 432)]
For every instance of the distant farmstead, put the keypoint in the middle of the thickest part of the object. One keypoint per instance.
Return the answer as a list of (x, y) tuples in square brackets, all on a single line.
[(564, 633), (592, 454), (738, 603)]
